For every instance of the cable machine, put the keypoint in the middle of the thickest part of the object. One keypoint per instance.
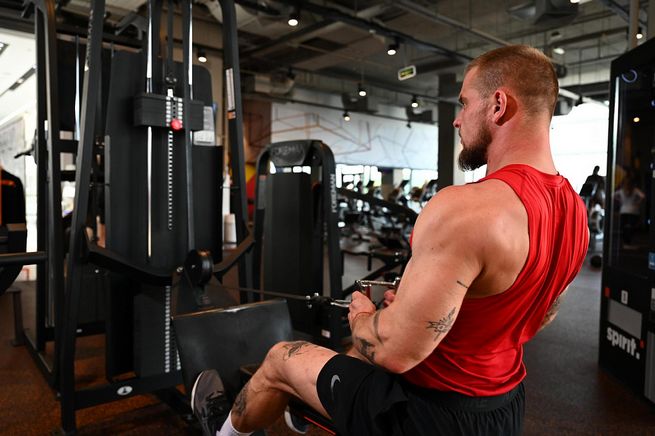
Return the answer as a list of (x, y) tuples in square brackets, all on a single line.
[(152, 161)]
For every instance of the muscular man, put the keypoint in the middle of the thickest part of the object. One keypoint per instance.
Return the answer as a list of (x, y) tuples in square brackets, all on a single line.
[(489, 263)]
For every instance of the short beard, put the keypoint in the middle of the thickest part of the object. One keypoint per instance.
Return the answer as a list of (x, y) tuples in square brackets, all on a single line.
[(475, 155)]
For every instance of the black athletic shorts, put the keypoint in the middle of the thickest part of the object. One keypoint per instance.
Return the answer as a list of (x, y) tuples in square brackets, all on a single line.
[(363, 400)]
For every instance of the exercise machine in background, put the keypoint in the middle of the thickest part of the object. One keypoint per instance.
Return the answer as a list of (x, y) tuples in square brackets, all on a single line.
[(627, 313)]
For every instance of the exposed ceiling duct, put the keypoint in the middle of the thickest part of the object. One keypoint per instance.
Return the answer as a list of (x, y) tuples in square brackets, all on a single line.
[(546, 13)]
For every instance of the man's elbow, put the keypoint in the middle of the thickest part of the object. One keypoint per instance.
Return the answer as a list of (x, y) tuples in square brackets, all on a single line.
[(399, 363)]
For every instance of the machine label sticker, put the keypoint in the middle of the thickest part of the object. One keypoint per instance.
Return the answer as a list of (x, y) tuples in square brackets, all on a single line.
[(651, 260), (629, 345), (624, 296), (333, 193), (229, 89)]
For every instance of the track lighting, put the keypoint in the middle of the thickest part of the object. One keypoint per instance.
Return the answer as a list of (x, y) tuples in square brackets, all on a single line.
[(361, 91), (414, 102), (202, 56), (294, 18), (558, 50), (346, 116), (640, 34), (392, 49), (409, 124)]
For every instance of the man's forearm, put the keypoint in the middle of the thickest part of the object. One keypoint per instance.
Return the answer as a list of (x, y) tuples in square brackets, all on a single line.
[(366, 336)]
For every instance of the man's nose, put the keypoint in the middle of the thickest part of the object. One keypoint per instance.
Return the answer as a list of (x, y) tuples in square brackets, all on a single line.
[(457, 123)]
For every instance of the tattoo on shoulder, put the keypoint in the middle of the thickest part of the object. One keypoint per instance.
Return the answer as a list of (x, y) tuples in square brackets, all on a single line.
[(239, 406), (366, 349), (295, 348), (442, 326), (462, 284)]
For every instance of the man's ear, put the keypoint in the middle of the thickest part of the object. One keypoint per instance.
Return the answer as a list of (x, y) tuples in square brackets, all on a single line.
[(501, 107)]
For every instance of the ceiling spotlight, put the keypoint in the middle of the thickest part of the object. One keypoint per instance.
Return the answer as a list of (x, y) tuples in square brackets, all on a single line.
[(414, 102), (640, 34), (574, 1), (558, 50), (361, 91), (202, 56), (555, 35), (294, 18), (392, 49), (346, 116), (636, 119)]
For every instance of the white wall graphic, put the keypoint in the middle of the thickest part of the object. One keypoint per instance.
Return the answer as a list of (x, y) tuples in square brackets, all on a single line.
[(365, 139)]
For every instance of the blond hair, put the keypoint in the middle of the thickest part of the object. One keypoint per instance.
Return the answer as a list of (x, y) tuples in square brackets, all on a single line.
[(523, 69)]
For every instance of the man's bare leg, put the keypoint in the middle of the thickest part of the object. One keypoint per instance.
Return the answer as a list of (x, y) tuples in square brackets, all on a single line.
[(290, 369)]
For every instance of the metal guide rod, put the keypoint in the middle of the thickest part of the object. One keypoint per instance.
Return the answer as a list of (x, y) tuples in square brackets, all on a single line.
[(188, 65), (149, 143)]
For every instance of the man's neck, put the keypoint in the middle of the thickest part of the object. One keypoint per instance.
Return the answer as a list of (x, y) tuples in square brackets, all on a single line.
[(528, 145)]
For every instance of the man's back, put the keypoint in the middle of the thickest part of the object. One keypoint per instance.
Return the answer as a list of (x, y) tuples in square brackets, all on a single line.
[(482, 354)]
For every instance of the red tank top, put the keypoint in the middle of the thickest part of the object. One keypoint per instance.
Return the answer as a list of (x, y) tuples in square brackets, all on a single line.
[(482, 354)]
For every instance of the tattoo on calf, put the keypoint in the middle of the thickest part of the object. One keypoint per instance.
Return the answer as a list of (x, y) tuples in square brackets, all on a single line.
[(239, 406), (366, 349), (442, 326), (295, 348)]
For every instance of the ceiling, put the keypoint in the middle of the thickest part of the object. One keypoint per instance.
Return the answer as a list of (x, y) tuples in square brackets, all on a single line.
[(339, 44)]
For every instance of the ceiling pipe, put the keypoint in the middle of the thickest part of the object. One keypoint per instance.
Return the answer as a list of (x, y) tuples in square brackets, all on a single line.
[(375, 28), (414, 8), (619, 10)]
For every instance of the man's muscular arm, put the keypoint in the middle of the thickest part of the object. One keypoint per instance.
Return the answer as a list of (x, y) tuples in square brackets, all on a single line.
[(447, 256)]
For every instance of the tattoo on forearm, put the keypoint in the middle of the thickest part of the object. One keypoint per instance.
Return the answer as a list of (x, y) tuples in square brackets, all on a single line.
[(295, 348), (376, 317), (442, 326), (462, 284), (366, 349), (239, 406)]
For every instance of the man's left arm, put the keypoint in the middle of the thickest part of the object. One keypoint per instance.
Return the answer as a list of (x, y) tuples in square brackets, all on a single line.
[(445, 261)]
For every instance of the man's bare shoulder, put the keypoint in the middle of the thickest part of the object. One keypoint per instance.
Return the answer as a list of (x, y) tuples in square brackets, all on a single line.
[(487, 215), (490, 200)]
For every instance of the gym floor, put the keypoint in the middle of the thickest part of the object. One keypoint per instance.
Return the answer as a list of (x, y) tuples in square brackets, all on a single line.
[(567, 393)]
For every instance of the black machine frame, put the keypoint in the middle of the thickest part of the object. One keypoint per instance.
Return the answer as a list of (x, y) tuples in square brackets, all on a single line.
[(627, 313), (67, 291)]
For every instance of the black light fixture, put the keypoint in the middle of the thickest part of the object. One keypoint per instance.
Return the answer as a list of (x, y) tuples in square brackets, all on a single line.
[(414, 102), (393, 47), (409, 124), (640, 34), (346, 116), (360, 90), (202, 56), (294, 18), (290, 74)]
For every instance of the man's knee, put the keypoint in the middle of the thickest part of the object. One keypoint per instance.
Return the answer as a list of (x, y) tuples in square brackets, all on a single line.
[(285, 351)]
